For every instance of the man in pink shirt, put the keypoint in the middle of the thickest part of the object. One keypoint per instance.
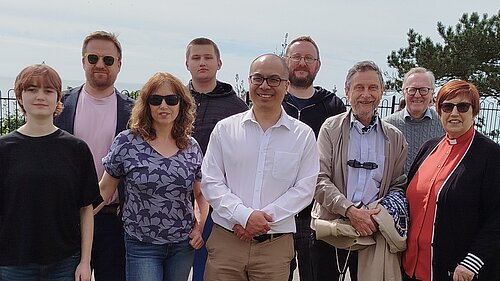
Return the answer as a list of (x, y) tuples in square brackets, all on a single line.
[(96, 112)]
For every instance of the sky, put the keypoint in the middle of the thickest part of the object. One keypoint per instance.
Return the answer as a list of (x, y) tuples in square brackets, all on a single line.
[(154, 33)]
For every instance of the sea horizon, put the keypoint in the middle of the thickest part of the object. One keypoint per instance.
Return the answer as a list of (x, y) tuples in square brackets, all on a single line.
[(7, 83)]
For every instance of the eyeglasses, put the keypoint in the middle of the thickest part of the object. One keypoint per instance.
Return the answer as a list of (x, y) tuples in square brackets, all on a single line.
[(298, 58), (462, 107), (170, 99), (366, 165), (93, 59), (272, 81), (413, 90)]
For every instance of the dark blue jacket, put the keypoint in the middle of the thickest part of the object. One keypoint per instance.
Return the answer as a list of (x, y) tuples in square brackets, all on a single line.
[(66, 120)]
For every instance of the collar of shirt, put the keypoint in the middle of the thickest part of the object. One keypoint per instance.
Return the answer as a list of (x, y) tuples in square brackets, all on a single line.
[(463, 138), (362, 129), (284, 119), (408, 117)]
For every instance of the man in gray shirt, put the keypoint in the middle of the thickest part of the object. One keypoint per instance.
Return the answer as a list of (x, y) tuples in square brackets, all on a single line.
[(417, 120)]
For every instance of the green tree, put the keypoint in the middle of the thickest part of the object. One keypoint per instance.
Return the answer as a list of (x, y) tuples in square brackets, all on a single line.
[(10, 123), (131, 94), (470, 51)]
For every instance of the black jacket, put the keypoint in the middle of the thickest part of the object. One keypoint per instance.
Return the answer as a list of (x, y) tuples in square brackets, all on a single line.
[(212, 107), (467, 213), (322, 105)]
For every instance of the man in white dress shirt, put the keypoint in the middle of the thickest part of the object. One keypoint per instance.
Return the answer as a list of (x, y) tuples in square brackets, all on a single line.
[(260, 169)]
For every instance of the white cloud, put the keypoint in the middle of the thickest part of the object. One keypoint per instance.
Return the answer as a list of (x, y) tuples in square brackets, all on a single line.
[(154, 33)]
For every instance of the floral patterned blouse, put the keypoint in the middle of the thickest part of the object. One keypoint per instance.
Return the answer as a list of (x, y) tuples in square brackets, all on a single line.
[(158, 205)]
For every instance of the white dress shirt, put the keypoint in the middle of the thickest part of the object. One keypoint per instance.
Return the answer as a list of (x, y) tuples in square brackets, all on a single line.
[(247, 169)]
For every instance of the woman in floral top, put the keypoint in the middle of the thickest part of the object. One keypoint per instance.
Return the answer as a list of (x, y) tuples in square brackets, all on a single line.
[(160, 164)]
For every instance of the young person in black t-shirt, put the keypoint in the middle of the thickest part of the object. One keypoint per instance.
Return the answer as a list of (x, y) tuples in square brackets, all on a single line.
[(47, 186)]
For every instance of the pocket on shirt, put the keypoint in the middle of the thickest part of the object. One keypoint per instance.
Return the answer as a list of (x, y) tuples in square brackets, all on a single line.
[(286, 165), (378, 173)]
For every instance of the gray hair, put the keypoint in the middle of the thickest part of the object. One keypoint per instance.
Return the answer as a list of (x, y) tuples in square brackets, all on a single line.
[(360, 67), (425, 71)]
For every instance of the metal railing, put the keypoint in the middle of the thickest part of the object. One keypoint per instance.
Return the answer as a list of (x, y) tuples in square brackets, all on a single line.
[(11, 117), (488, 120)]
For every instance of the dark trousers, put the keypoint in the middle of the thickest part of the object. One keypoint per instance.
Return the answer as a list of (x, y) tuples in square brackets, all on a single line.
[(200, 255), (303, 242), (108, 248), (325, 258), (408, 278)]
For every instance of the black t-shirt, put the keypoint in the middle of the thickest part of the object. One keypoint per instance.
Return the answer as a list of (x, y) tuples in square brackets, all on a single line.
[(44, 181)]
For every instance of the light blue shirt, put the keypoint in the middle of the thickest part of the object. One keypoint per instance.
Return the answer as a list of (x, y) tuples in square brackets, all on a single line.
[(407, 115), (365, 145)]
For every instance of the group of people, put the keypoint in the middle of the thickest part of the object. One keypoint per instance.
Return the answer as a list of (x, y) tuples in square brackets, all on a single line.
[(188, 176)]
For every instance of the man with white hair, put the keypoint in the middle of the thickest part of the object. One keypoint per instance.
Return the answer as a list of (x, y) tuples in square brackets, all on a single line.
[(417, 121)]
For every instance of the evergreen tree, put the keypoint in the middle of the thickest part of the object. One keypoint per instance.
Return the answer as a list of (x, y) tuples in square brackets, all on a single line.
[(470, 51)]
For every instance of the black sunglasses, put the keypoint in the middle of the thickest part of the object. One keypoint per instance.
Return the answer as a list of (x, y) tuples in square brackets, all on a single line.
[(170, 99), (366, 165), (93, 59), (462, 107)]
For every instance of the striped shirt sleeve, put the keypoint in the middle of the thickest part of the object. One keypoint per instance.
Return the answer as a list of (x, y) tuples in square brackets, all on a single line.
[(472, 263)]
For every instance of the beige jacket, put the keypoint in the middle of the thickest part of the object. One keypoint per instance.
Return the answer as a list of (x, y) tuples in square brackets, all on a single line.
[(333, 140), (382, 261)]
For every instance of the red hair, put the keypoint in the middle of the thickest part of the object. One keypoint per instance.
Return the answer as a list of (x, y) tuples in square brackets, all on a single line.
[(458, 88), (33, 75)]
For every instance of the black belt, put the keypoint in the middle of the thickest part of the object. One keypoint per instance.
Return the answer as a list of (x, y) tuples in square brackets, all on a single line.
[(112, 209), (260, 238), (265, 237)]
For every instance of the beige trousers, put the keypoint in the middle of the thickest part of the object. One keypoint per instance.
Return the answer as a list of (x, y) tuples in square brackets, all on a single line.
[(230, 259)]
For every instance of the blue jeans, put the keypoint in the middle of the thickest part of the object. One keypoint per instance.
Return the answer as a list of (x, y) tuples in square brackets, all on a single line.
[(63, 270), (200, 256), (150, 262)]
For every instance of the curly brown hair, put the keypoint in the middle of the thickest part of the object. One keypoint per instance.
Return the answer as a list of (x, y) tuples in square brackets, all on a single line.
[(141, 121)]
